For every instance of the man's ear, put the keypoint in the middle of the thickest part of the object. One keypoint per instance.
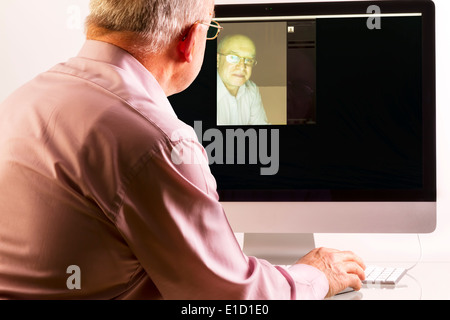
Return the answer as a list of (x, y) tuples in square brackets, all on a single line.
[(186, 47)]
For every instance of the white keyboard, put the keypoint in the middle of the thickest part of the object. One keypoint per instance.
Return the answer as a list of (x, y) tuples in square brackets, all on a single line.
[(377, 275), (383, 275)]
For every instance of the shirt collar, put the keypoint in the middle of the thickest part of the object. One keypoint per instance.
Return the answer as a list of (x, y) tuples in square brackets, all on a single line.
[(223, 91), (141, 79), (114, 55)]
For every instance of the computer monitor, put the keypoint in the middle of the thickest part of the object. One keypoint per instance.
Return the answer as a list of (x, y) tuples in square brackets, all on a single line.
[(348, 90)]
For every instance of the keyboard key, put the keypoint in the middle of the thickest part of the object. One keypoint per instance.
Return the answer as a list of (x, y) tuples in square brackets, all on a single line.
[(383, 275)]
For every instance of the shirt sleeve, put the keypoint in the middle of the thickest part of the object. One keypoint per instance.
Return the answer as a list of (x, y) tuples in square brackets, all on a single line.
[(257, 113), (307, 282), (172, 220)]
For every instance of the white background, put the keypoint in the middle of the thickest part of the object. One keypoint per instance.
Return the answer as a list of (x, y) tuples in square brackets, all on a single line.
[(35, 35)]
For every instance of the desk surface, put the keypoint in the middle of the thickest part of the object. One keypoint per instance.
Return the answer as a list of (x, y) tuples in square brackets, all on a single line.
[(426, 281)]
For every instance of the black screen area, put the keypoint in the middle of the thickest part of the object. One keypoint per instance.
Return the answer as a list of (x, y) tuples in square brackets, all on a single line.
[(367, 139)]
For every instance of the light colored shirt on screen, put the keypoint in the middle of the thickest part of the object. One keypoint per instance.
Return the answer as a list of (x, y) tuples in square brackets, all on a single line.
[(244, 109)]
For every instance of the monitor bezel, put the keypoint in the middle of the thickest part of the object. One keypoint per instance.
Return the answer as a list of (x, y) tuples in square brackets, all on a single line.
[(356, 216)]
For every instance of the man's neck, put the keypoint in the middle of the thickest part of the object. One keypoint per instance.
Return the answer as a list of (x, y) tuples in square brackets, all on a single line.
[(233, 90), (160, 64)]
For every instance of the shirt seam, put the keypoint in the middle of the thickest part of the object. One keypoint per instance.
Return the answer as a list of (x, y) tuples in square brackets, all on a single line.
[(135, 169), (138, 167), (129, 104), (119, 198)]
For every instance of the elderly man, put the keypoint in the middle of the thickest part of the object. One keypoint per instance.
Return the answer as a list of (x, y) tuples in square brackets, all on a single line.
[(91, 204), (238, 98)]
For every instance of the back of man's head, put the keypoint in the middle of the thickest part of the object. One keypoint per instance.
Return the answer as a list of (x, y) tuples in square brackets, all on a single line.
[(155, 22)]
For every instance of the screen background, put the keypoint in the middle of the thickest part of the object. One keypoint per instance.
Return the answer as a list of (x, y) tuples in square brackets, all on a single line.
[(366, 141)]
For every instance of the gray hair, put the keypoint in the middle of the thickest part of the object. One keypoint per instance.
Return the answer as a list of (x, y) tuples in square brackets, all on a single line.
[(158, 22)]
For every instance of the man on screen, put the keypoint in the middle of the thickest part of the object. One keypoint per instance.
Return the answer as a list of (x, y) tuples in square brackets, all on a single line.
[(238, 98)]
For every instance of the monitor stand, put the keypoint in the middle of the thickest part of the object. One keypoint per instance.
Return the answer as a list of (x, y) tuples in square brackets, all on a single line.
[(277, 248)]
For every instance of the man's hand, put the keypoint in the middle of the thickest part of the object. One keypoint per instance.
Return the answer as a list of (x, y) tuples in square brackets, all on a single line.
[(342, 268)]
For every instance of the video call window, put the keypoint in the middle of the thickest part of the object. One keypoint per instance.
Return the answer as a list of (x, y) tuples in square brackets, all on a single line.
[(266, 73)]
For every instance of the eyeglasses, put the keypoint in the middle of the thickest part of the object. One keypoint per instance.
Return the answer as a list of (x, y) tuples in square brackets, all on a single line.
[(235, 59), (213, 31)]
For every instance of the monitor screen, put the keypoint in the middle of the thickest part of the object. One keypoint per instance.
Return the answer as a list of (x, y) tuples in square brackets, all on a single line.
[(321, 115)]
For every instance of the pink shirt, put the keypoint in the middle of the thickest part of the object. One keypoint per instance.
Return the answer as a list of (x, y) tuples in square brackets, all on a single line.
[(87, 179)]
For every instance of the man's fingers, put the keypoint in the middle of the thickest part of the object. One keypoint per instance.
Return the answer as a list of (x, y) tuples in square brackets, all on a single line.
[(350, 256), (342, 268), (354, 282), (356, 269)]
